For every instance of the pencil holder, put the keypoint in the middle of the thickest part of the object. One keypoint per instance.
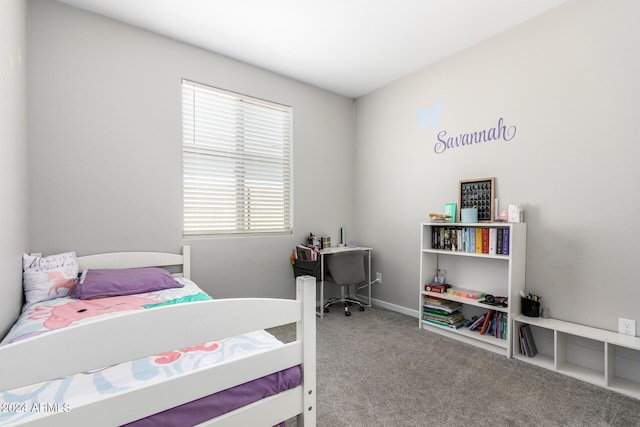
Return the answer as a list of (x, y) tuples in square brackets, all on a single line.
[(530, 308)]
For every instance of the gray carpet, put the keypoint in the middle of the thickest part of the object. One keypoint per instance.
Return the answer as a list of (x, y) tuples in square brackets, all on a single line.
[(376, 368)]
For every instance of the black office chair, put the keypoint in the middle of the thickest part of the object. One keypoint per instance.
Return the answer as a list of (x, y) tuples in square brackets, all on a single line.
[(345, 269)]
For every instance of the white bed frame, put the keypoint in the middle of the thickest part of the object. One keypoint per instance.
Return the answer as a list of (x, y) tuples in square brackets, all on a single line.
[(149, 332)]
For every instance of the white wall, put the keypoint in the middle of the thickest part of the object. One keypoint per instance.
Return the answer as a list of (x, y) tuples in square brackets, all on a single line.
[(13, 161), (105, 123), (568, 81)]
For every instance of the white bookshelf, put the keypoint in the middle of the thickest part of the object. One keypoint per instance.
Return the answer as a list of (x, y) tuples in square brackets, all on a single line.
[(604, 358), (498, 275)]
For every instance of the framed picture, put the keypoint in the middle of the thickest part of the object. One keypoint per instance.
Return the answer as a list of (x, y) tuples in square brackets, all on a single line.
[(451, 211), (478, 193)]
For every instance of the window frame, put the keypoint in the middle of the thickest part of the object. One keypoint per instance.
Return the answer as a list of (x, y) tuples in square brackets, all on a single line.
[(221, 131)]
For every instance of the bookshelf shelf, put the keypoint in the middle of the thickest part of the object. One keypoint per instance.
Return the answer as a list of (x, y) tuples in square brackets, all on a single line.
[(468, 301), (490, 272), (582, 373), (604, 358), (474, 336), (469, 254)]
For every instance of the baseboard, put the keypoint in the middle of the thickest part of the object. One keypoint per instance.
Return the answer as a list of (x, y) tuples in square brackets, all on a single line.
[(396, 308)]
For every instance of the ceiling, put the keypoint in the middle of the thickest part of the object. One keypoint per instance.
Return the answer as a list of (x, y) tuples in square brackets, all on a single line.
[(350, 47)]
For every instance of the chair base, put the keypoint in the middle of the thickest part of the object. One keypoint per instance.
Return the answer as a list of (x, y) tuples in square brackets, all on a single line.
[(347, 301)]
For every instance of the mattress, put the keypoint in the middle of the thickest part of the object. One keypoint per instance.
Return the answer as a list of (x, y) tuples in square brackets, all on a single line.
[(65, 393)]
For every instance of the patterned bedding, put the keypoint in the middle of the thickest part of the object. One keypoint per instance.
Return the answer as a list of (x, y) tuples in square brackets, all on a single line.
[(66, 393)]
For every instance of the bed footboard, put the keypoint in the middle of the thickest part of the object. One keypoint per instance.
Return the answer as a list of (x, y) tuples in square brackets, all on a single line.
[(149, 332)]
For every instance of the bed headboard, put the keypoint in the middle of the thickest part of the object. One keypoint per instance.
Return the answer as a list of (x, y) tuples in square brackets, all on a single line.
[(138, 259)]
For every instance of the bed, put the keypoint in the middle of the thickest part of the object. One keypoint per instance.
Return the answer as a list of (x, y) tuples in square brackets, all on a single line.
[(164, 329)]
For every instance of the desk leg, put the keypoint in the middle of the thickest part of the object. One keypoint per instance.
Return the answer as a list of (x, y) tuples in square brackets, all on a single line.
[(369, 278), (321, 286)]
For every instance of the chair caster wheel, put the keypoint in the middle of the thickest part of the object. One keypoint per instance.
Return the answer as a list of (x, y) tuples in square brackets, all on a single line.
[(326, 310), (361, 308), (347, 313)]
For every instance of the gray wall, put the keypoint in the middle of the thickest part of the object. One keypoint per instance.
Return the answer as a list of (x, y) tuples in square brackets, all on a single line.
[(568, 81), (105, 153), (105, 136), (13, 161)]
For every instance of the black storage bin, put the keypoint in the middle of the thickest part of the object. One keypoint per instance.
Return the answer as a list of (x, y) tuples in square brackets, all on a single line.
[(530, 308), (306, 268)]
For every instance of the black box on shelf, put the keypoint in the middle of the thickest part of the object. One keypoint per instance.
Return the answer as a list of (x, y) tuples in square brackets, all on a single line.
[(530, 308)]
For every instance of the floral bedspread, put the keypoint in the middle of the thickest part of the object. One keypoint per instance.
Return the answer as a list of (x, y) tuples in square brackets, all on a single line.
[(65, 393)]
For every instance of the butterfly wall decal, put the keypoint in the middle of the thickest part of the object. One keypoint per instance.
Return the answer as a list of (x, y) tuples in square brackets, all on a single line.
[(429, 117)]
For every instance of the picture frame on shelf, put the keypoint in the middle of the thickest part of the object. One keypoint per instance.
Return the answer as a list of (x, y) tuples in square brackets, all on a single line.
[(478, 193), (450, 209)]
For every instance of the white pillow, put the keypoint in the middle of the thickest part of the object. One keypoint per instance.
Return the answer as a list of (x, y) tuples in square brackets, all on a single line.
[(49, 277)]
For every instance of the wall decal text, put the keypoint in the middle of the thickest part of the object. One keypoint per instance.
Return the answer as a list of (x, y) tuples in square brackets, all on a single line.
[(500, 131)]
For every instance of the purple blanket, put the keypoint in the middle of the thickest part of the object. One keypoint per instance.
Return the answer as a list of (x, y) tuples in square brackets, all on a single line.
[(208, 407)]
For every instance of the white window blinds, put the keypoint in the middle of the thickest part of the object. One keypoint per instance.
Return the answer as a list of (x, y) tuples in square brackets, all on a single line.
[(236, 153)]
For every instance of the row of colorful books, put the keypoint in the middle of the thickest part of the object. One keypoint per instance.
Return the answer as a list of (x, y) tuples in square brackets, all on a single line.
[(527, 343), (494, 323), (481, 240), (448, 313), (442, 312)]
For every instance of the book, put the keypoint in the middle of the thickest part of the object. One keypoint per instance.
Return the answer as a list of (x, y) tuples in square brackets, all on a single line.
[(457, 325), (445, 317), (439, 301), (450, 210), (529, 341), (304, 253), (449, 308), (436, 287), (499, 241), (478, 240), (487, 320), (478, 322), (493, 241), (465, 239), (501, 325), (485, 240), (506, 325), (447, 239), (505, 241), (454, 239), (523, 346)]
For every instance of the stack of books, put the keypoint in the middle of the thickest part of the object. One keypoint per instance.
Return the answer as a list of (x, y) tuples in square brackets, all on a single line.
[(527, 344), (442, 312), (493, 323)]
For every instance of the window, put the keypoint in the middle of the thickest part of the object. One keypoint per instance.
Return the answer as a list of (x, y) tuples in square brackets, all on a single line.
[(236, 154)]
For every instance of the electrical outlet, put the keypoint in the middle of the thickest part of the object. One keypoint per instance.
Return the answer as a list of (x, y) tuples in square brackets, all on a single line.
[(627, 327), (379, 277)]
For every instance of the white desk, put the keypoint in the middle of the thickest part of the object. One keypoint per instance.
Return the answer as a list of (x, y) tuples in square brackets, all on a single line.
[(336, 250)]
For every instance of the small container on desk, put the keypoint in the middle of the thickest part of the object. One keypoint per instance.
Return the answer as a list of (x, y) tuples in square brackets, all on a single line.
[(530, 308)]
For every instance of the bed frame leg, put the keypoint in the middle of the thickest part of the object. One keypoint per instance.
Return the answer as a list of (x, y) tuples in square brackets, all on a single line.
[(306, 331)]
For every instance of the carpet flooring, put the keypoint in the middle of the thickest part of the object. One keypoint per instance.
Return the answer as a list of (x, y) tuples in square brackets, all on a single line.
[(376, 368)]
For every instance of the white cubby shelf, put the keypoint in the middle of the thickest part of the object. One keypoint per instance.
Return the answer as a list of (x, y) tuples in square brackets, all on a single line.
[(604, 358)]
